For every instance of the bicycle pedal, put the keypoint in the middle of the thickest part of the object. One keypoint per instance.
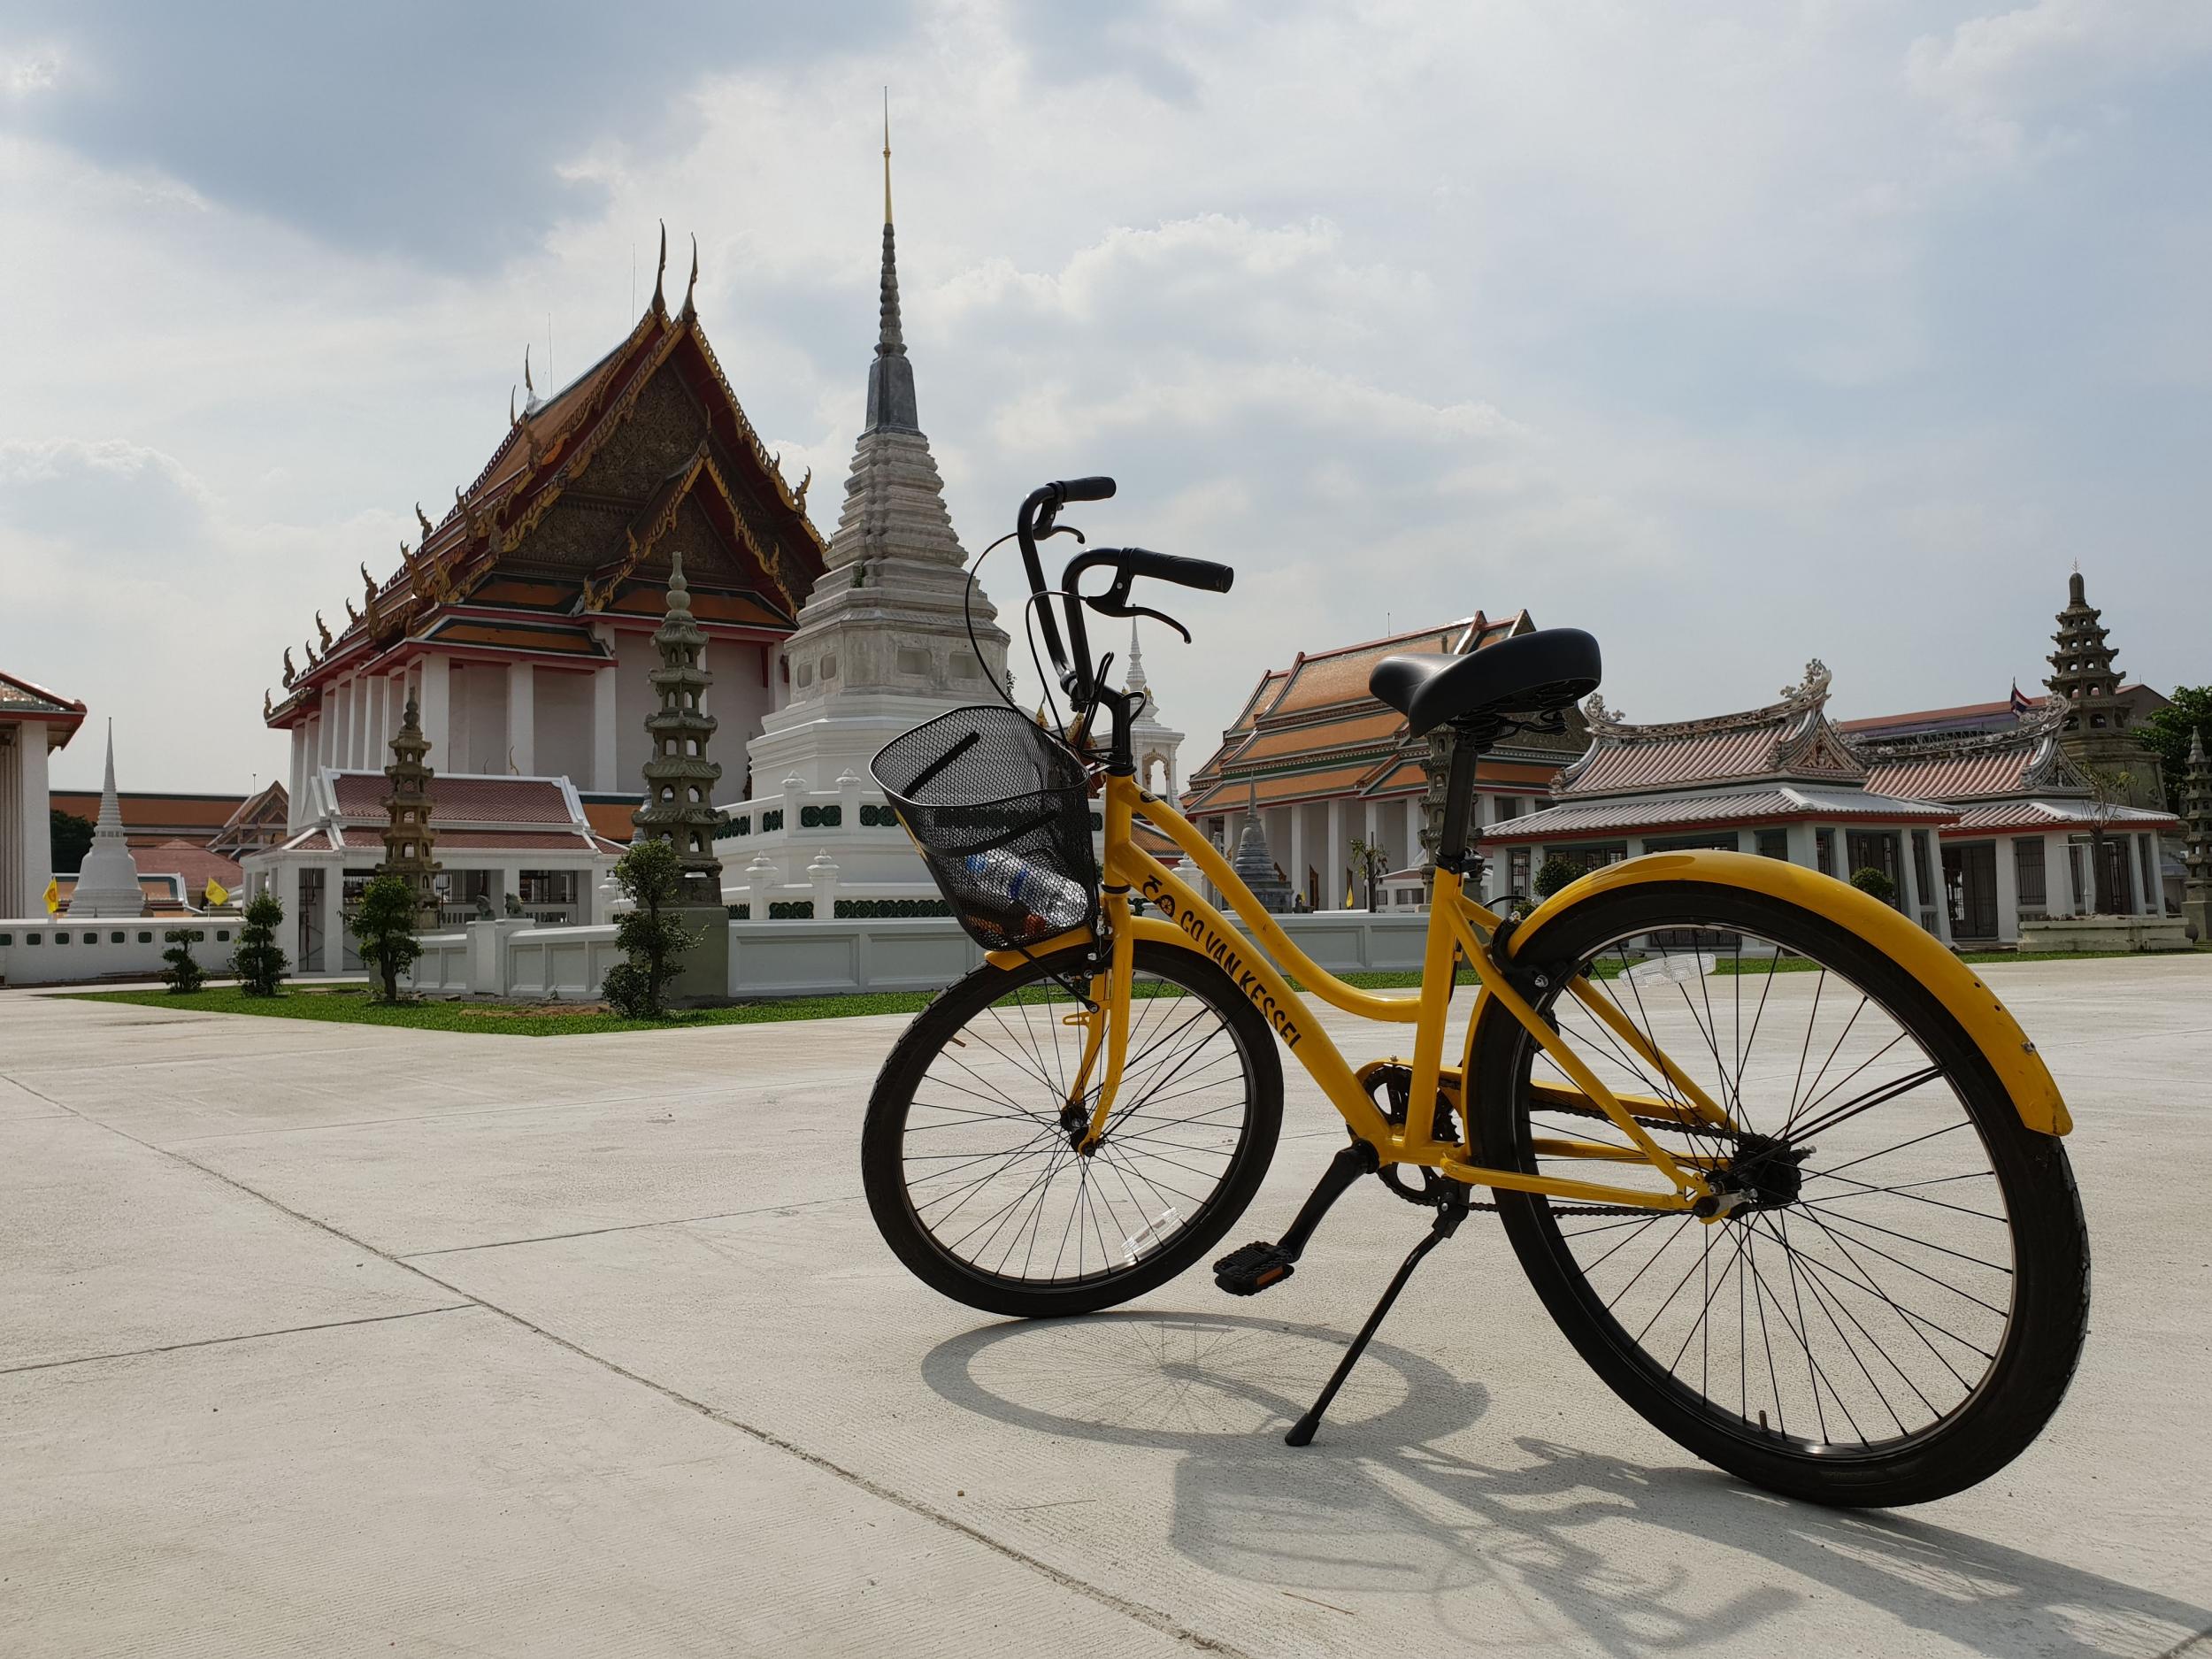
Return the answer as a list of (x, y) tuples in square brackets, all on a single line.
[(1251, 1270)]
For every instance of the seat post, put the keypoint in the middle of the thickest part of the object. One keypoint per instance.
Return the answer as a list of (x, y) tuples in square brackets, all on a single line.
[(1469, 743)]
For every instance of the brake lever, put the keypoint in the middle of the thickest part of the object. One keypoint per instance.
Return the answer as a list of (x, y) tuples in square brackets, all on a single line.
[(1061, 529), (1141, 611)]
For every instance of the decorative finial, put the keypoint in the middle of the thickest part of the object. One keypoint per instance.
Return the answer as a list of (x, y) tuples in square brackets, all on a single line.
[(886, 154), (513, 419), (798, 496), (422, 519), (526, 375), (678, 591), (322, 630), (290, 673), (352, 615), (1598, 714), (267, 707), (660, 271), (691, 287)]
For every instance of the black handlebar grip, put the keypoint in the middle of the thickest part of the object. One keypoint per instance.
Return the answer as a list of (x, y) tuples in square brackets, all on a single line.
[(1169, 567), (1085, 488)]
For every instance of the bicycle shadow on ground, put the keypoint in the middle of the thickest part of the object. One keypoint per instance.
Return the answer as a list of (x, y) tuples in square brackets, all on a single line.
[(1375, 1505)]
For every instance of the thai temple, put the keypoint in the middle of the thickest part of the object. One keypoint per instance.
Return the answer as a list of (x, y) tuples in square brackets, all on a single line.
[(1313, 761), (1984, 819), (521, 625)]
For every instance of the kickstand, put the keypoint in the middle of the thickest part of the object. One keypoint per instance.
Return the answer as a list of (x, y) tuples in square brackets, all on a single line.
[(1450, 1212)]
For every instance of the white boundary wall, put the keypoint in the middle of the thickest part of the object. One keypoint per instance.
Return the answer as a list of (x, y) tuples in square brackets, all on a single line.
[(814, 958), (34, 952)]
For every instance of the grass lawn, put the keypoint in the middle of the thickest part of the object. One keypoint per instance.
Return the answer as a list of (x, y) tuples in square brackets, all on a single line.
[(352, 1003)]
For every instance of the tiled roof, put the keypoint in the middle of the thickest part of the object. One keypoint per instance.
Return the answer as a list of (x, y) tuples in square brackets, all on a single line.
[(515, 840), (2030, 815), (21, 700), (1366, 729), (614, 820), (1783, 803), (1964, 714), (190, 862), (1340, 675), (1292, 786), (1953, 776), (160, 815), (459, 800)]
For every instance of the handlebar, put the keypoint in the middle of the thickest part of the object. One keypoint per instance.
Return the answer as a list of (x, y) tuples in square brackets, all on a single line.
[(1037, 520)]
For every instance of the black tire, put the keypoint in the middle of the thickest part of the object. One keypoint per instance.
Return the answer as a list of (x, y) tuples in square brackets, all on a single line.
[(1837, 1260), (1193, 1132)]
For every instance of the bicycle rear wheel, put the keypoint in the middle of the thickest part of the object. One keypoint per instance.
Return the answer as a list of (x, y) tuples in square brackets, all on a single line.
[(1895, 1310), (969, 1154)]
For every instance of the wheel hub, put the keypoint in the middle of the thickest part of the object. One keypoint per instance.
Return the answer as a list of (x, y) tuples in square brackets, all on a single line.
[(1766, 1172)]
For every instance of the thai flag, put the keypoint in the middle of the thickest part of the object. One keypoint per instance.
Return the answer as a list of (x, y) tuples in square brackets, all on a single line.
[(2020, 704)]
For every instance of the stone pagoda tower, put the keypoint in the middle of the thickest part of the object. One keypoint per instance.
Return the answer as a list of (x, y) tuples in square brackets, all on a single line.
[(679, 778), (408, 836), (881, 643), (2196, 840), (107, 881), (680, 782), (1255, 865), (2097, 732)]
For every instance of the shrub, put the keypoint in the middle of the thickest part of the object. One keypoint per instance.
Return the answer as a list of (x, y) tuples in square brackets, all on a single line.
[(183, 975), (260, 963), (1554, 874), (654, 940), (1874, 882), (383, 925)]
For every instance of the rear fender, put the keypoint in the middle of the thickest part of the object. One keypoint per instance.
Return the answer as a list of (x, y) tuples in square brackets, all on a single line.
[(1984, 1019)]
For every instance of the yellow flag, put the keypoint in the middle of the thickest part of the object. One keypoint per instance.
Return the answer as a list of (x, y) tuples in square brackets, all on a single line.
[(216, 892), (53, 896)]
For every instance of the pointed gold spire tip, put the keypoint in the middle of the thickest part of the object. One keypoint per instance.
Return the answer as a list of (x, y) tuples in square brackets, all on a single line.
[(886, 154)]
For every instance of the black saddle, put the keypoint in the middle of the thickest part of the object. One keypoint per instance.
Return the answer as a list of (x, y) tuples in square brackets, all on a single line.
[(1530, 675)]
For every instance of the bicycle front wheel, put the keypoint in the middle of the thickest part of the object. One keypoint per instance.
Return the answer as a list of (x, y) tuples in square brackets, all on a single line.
[(970, 1155), (1894, 1306)]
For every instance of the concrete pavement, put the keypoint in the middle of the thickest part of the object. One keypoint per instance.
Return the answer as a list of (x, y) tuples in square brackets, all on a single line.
[(334, 1340)]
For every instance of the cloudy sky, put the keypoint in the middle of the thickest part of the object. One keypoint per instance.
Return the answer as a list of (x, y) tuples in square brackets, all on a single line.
[(1737, 334)]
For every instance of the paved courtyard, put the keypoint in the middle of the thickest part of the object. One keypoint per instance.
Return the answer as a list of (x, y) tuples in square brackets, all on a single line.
[(333, 1339)]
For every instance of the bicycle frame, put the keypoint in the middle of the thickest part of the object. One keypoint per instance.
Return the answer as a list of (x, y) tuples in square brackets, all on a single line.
[(1459, 928)]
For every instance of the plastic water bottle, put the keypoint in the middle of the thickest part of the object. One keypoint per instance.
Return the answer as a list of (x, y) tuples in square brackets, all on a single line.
[(1054, 903)]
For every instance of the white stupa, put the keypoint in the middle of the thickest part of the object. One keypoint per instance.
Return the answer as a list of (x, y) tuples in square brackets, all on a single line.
[(881, 643), (1154, 742), (107, 881)]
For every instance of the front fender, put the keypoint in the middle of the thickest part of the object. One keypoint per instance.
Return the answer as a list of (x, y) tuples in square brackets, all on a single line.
[(1984, 1019)]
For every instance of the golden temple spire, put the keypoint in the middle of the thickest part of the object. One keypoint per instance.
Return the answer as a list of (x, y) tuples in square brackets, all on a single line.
[(661, 273), (886, 154)]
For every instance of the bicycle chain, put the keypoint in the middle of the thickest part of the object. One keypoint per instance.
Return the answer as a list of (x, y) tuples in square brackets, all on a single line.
[(1426, 1201)]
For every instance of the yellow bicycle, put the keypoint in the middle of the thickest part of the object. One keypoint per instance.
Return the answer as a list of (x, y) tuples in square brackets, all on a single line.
[(1783, 1170)]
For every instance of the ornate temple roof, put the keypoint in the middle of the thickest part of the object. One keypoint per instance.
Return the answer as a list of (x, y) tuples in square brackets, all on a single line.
[(1313, 730), (1789, 740), (1782, 762), (21, 700), (573, 516), (2019, 779)]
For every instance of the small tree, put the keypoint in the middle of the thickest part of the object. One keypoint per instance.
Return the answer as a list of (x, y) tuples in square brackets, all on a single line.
[(1875, 883), (383, 925), (183, 975), (72, 838), (260, 963), (1554, 874), (2107, 794), (1372, 864), (652, 938), (2165, 734)]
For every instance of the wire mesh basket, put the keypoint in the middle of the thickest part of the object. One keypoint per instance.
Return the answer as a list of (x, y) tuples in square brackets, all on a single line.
[(1001, 809)]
